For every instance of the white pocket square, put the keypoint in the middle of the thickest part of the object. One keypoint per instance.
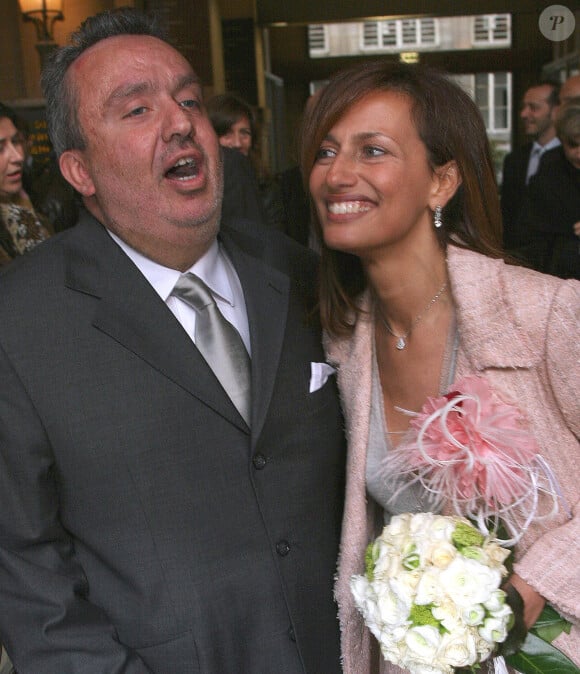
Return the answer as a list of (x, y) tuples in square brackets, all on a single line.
[(319, 374)]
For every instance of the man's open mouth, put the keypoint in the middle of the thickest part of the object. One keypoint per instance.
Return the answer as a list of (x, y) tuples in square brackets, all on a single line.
[(183, 169)]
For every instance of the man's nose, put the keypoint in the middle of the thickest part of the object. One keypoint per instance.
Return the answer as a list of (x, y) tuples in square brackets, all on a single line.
[(178, 122)]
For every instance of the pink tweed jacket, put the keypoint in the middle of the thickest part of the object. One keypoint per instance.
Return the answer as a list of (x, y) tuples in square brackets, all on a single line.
[(520, 330)]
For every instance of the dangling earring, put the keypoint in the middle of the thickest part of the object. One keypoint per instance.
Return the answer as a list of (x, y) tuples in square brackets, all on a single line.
[(437, 221)]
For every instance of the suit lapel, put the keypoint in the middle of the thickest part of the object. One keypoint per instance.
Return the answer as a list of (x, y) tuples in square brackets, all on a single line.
[(130, 312), (266, 292)]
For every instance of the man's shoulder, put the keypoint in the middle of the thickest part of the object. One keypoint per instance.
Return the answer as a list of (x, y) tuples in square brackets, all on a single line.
[(40, 272), (518, 154), (553, 157), (266, 241)]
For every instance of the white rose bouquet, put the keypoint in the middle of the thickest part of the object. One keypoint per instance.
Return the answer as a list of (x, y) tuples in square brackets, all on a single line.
[(431, 594)]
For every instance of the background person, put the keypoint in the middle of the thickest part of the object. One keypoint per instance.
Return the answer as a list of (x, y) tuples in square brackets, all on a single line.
[(153, 519), (234, 122), (414, 296), (538, 110), (551, 209), (21, 228), (570, 88)]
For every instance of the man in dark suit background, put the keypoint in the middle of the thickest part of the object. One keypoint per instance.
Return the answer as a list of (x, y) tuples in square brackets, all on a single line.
[(241, 198), (145, 526), (538, 115)]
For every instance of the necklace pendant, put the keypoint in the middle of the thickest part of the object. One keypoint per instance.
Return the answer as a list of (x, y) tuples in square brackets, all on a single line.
[(401, 343)]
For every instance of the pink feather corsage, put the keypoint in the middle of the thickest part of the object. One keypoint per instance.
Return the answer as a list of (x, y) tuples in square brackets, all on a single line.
[(476, 453)]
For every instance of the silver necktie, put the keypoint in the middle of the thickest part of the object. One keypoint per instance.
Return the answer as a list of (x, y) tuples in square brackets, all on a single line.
[(218, 342)]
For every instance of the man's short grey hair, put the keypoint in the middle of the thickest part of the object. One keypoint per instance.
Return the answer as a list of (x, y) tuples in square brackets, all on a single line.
[(61, 94)]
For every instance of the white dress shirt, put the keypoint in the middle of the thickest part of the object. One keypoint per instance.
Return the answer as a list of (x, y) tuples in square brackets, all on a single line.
[(215, 269), (536, 155)]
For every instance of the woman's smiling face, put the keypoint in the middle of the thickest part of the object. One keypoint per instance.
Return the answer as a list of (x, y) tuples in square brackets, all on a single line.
[(372, 181)]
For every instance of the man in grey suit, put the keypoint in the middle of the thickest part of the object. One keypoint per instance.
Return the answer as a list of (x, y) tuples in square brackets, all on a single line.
[(145, 524)]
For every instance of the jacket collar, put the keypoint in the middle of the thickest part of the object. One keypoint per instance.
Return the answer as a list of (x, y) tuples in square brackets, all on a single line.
[(129, 311)]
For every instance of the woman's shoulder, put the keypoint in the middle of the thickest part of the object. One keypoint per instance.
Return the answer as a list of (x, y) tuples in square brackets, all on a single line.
[(505, 309), (477, 272)]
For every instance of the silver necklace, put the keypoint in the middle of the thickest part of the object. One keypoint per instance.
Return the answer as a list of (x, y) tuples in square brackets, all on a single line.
[(401, 342)]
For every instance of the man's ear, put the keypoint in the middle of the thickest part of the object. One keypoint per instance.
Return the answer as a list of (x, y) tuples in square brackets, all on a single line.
[(73, 168), (446, 182)]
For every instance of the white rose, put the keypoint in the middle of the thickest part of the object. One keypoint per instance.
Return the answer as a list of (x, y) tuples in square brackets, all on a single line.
[(468, 582), (423, 642), (448, 614), (392, 607), (404, 585), (429, 589), (441, 554), (442, 528), (424, 668), (504, 613), (392, 655), (360, 588), (494, 630), (458, 650), (365, 599), (392, 641), (399, 524), (496, 554), (420, 525), (496, 601), (388, 563), (484, 648), (473, 615)]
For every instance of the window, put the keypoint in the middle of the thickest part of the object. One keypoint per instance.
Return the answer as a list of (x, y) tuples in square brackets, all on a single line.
[(494, 29), (317, 40), (493, 96), (398, 34)]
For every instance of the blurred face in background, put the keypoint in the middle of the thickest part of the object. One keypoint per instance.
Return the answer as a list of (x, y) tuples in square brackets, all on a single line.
[(537, 114), (571, 148), (12, 153), (239, 136)]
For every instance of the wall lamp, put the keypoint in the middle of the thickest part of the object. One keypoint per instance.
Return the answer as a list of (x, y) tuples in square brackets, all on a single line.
[(43, 13)]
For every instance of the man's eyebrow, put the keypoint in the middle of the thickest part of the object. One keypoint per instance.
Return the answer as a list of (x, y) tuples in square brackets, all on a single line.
[(125, 91), (187, 80)]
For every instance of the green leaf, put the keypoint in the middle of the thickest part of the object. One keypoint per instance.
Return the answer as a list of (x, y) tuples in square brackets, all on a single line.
[(371, 556), (539, 657), (550, 624)]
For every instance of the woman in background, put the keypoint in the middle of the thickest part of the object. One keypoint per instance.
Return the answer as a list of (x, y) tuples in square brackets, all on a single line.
[(21, 228), (414, 295), (234, 122)]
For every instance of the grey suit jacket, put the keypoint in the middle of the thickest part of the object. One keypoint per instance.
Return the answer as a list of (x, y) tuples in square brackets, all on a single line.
[(143, 526)]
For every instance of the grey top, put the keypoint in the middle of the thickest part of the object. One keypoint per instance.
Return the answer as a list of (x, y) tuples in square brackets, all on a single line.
[(414, 498)]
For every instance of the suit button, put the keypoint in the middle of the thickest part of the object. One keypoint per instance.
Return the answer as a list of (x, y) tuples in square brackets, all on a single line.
[(259, 461), (282, 548)]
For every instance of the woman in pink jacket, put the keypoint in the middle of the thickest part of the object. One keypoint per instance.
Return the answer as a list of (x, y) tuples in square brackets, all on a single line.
[(415, 295)]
